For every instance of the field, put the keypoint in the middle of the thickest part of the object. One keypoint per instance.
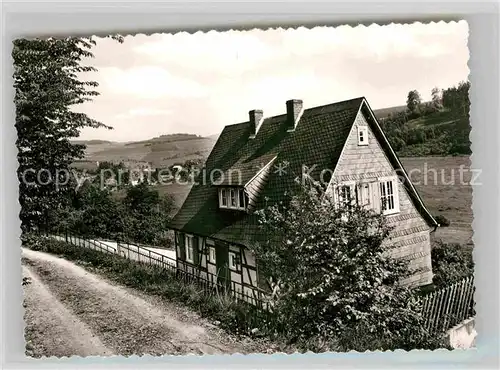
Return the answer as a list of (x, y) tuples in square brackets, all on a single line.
[(384, 112), (164, 150), (446, 192), (159, 152)]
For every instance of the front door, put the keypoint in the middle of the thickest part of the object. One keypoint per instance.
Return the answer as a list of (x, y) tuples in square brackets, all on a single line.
[(222, 265)]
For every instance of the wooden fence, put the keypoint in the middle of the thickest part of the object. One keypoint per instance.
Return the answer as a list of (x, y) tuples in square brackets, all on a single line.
[(449, 306), (209, 283), (442, 309)]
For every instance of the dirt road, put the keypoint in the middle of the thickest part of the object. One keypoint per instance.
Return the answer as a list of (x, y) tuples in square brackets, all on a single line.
[(70, 311)]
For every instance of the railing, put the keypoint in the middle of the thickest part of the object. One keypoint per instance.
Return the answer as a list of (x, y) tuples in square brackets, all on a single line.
[(442, 309), (208, 282), (449, 306)]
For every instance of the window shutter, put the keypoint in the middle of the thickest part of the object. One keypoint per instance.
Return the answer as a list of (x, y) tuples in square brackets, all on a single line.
[(336, 199), (375, 196), (182, 246), (365, 192), (395, 187), (195, 250)]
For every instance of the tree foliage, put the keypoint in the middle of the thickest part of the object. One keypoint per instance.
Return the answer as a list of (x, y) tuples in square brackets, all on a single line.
[(457, 98), (439, 127), (413, 101), (47, 88), (437, 98), (141, 216), (331, 270), (148, 212), (451, 263)]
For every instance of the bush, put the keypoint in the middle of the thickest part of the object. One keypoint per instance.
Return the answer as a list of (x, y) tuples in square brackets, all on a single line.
[(360, 339), (234, 316), (399, 332), (333, 273), (451, 263), (442, 221)]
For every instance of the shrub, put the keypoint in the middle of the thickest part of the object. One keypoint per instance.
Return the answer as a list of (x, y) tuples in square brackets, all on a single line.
[(442, 221), (333, 273), (451, 262), (221, 306)]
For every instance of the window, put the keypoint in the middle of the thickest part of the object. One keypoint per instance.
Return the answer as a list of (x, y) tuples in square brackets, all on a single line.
[(234, 261), (347, 194), (380, 195), (189, 248), (223, 198), (241, 198), (234, 198), (211, 254), (362, 135), (389, 200)]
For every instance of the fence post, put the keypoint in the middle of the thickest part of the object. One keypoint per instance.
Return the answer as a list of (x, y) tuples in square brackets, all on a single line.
[(451, 297)]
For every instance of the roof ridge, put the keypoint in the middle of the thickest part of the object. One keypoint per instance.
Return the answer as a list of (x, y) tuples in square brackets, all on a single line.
[(335, 103), (361, 98), (236, 124)]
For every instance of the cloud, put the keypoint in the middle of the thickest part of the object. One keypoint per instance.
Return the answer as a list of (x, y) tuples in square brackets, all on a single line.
[(201, 82), (149, 82), (227, 52), (381, 41), (141, 112)]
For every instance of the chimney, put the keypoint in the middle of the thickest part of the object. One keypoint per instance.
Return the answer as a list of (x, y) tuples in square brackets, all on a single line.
[(293, 113), (256, 117)]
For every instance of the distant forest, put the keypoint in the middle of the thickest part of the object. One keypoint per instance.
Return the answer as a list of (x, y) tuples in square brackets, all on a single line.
[(438, 127)]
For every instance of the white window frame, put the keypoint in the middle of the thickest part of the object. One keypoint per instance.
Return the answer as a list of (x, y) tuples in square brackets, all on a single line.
[(189, 248), (223, 195), (384, 188), (212, 256), (362, 134), (233, 194), (338, 192), (228, 197), (232, 258)]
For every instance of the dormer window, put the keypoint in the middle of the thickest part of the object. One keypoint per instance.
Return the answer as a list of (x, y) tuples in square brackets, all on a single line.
[(223, 197), (232, 198)]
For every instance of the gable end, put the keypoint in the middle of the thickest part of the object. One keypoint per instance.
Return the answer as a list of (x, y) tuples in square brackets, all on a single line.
[(396, 164)]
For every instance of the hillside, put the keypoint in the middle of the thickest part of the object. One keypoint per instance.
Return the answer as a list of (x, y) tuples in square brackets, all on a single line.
[(91, 142), (431, 128), (385, 112), (161, 151), (445, 132)]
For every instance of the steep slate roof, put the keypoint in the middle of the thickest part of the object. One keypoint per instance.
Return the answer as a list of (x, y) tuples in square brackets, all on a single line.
[(316, 142)]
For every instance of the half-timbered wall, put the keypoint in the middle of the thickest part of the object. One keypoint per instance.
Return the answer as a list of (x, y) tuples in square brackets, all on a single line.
[(243, 278)]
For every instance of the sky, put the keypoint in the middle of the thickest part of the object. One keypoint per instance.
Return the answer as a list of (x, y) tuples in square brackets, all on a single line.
[(198, 83)]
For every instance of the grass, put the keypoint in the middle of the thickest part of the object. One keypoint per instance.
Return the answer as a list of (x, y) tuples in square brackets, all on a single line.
[(435, 119), (384, 112), (235, 317), (445, 192), (161, 153)]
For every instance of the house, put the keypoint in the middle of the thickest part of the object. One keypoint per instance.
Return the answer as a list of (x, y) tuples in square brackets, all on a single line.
[(255, 162)]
